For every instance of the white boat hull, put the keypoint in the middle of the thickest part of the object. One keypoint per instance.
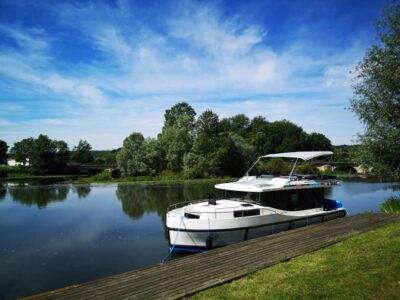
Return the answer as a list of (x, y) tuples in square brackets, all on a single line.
[(183, 237)]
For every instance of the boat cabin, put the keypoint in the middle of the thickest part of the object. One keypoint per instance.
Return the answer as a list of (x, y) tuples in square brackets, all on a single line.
[(290, 199)]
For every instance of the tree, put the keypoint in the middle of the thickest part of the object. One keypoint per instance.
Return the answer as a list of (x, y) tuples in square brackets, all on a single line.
[(238, 124), (204, 158), (238, 155), (177, 134), (48, 156), (284, 136), (318, 141), (3, 152), (22, 151), (258, 135), (82, 153), (131, 159), (180, 115), (376, 99)]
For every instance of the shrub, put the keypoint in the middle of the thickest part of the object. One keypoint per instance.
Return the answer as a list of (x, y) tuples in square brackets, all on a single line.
[(305, 169), (102, 176), (277, 166), (391, 206)]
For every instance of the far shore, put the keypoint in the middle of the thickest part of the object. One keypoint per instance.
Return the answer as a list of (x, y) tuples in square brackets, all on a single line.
[(174, 179)]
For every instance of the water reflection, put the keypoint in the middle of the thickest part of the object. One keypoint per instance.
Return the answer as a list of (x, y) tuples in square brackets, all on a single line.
[(137, 200), (82, 190), (39, 196), (3, 192), (117, 228)]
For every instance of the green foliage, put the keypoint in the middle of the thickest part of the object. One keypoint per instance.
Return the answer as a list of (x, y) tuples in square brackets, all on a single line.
[(347, 153), (391, 206), (82, 153), (45, 156), (237, 155), (277, 166), (376, 98), (305, 169), (22, 151), (212, 147), (3, 152), (131, 159), (238, 125), (176, 138), (180, 115), (176, 142), (105, 175), (204, 158), (14, 171), (318, 142), (284, 136)]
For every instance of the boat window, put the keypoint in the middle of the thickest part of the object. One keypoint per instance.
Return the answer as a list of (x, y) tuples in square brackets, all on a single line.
[(297, 199), (246, 213), (239, 195), (191, 216)]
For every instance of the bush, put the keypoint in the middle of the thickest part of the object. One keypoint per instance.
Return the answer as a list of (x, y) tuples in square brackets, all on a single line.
[(102, 176), (391, 206), (14, 171), (277, 167), (305, 169)]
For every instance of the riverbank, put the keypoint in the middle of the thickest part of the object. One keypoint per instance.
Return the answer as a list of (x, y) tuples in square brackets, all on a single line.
[(105, 177), (142, 180), (363, 267)]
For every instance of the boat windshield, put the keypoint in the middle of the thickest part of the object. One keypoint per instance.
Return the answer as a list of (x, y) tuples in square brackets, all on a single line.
[(240, 195)]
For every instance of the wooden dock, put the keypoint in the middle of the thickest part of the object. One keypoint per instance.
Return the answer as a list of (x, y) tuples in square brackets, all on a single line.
[(184, 276)]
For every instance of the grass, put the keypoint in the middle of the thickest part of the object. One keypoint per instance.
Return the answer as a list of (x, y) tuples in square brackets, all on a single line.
[(364, 267), (391, 206)]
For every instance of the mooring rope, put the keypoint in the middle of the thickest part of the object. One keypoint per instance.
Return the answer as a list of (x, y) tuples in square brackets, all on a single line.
[(171, 249)]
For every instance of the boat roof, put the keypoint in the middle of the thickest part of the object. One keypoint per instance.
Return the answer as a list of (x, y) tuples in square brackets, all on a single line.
[(252, 184), (304, 155)]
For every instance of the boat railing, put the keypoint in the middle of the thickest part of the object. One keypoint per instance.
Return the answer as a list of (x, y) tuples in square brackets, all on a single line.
[(217, 209), (184, 203)]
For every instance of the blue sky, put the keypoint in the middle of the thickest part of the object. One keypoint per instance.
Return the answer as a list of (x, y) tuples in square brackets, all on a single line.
[(99, 70)]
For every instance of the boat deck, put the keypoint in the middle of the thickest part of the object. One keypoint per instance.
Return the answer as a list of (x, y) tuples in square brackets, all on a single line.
[(185, 276)]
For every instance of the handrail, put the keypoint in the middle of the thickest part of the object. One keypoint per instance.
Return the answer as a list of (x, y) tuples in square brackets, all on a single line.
[(174, 206)]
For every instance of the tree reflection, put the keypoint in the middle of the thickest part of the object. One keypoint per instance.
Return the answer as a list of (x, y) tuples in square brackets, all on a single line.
[(82, 190), (39, 196), (3, 192), (137, 200)]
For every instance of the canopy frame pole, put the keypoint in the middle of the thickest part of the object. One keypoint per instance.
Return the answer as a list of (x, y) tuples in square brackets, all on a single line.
[(291, 172), (247, 173)]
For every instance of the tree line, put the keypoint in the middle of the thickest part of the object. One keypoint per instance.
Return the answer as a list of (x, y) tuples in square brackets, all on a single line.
[(195, 148), (46, 156), (210, 146)]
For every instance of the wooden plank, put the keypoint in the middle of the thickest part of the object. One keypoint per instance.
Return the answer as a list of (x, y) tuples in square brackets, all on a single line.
[(204, 270)]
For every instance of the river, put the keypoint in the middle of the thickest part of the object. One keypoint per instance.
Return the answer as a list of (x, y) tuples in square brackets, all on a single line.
[(58, 235)]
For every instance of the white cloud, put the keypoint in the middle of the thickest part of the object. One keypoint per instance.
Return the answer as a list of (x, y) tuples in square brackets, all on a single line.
[(200, 57)]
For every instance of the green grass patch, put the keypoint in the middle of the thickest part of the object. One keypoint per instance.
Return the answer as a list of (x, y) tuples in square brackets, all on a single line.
[(364, 267)]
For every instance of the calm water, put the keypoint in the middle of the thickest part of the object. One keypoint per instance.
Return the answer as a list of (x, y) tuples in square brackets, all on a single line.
[(53, 236)]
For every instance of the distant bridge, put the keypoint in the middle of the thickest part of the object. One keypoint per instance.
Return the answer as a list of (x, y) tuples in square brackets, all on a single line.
[(351, 167), (92, 166)]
